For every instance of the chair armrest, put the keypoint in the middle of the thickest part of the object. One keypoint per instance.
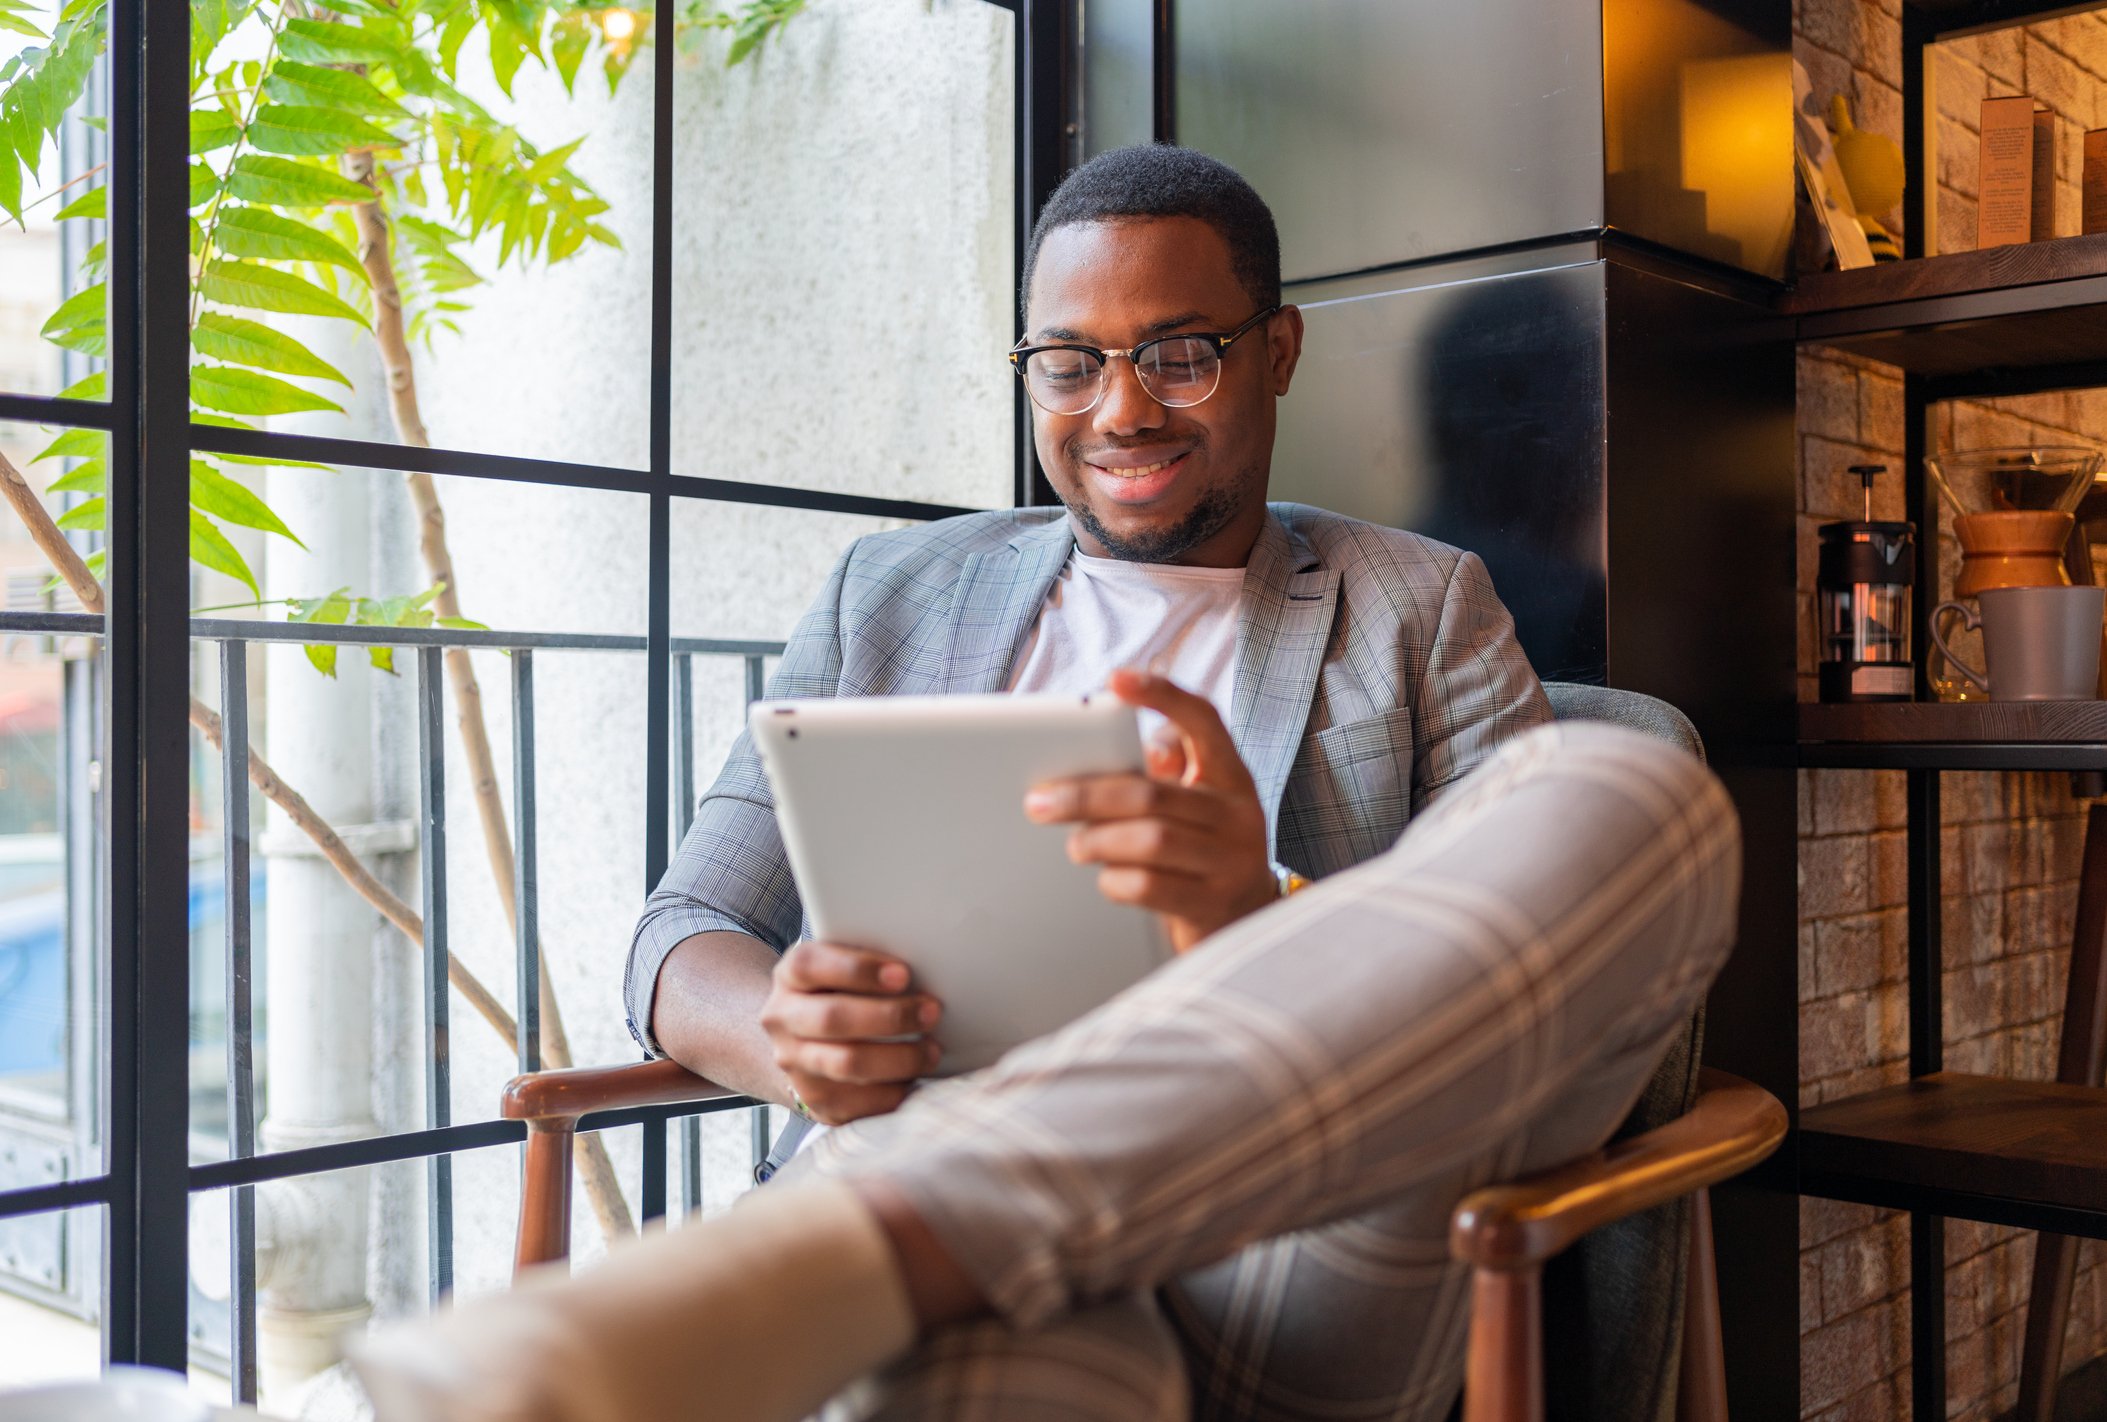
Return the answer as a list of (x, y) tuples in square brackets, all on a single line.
[(559, 1098), (1733, 1125)]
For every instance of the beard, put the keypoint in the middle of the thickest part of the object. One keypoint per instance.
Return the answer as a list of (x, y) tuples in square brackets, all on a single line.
[(1216, 507)]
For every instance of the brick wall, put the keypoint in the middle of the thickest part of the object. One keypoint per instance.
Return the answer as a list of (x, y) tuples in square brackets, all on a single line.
[(2010, 846)]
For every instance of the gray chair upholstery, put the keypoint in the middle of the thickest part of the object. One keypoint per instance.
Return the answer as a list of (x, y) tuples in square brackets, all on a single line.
[(1613, 1304)]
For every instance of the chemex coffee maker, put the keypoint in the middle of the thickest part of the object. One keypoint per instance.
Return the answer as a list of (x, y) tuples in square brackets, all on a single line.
[(2014, 509), (1863, 587)]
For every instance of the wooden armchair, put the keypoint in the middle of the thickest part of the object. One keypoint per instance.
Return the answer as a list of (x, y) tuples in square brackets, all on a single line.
[(1505, 1232)]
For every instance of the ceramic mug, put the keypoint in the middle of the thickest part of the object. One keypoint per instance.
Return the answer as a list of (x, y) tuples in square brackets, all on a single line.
[(2041, 644)]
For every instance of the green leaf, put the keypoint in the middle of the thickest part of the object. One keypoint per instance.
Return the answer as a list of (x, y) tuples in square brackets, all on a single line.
[(10, 185), (88, 387), (212, 128), (234, 503), (261, 288), (260, 232), (463, 624), (260, 460), (210, 548), (209, 22), (251, 343), (328, 42), (291, 82), (87, 515), (95, 202), (332, 610), (79, 323), (567, 46), (313, 131), (203, 184), (90, 476), (75, 444), (549, 164), (11, 21), (282, 182), (249, 392)]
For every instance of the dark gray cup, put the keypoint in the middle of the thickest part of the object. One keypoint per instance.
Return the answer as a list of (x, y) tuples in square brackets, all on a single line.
[(2042, 644)]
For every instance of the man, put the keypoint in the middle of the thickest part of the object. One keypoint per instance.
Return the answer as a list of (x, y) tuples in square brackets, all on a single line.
[(1359, 670), (1226, 1193)]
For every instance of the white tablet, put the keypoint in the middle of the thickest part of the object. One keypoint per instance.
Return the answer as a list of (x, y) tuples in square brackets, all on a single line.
[(904, 820)]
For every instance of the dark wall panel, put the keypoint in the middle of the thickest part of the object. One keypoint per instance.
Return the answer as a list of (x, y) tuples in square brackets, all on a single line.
[(1385, 131), (1701, 557), (1472, 411)]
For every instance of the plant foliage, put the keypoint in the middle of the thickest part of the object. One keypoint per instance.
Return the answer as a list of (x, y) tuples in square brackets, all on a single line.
[(301, 112)]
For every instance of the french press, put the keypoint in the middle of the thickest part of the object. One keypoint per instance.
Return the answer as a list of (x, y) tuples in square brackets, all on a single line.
[(1863, 586)]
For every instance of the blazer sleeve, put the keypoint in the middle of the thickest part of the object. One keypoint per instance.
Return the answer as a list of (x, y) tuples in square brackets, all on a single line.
[(731, 871), (1478, 690)]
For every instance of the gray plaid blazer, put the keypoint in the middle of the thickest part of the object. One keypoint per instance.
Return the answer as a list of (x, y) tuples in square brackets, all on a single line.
[(1374, 669)]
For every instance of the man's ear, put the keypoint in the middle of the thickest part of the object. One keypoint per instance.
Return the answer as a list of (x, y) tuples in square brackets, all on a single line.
[(1284, 346)]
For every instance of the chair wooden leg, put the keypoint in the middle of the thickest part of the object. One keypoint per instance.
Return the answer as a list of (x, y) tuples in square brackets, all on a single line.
[(2080, 1060), (1701, 1392), (545, 1196), (1503, 1380)]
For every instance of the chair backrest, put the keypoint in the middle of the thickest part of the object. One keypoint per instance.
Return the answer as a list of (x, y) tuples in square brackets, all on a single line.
[(1571, 701), (1613, 1303)]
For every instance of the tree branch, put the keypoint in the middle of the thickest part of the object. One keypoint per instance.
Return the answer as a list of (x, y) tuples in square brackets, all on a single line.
[(391, 339)]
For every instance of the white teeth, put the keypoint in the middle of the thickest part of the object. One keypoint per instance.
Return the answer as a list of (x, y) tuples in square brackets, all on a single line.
[(1142, 472)]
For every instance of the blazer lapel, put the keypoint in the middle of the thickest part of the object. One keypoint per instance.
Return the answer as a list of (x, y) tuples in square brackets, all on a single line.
[(1283, 625), (994, 603)]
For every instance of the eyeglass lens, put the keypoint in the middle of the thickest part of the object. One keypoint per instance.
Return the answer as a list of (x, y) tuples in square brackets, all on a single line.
[(1176, 372)]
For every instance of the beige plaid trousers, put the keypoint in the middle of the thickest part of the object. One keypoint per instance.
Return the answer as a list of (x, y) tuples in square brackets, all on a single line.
[(1226, 1193)]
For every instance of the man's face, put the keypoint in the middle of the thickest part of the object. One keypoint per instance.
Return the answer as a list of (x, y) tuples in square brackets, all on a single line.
[(1143, 481)]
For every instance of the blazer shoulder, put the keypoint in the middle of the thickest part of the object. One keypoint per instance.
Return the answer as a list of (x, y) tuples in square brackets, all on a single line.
[(1371, 552)]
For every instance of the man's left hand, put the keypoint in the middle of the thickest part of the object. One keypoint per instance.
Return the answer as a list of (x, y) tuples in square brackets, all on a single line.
[(1186, 840)]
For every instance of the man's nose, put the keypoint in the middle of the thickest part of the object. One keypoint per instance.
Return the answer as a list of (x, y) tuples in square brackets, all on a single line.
[(1127, 408)]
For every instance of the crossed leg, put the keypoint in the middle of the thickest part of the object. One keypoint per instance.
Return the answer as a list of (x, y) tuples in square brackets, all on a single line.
[(1486, 998)]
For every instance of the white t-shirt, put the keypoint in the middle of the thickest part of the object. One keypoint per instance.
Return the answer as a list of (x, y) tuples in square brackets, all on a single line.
[(1106, 613)]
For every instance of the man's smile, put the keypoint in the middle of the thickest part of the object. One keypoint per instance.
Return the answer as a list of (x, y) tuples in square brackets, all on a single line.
[(1135, 476)]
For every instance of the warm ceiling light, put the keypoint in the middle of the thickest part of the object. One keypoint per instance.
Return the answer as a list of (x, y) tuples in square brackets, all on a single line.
[(618, 25)]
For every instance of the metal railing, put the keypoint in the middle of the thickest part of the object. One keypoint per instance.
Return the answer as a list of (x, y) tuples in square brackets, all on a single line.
[(243, 1168)]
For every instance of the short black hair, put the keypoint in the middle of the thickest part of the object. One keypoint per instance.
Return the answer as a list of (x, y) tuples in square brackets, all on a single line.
[(1162, 180)]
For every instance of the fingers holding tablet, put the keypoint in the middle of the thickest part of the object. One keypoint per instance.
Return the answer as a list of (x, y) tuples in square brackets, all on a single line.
[(837, 1017), (1187, 840)]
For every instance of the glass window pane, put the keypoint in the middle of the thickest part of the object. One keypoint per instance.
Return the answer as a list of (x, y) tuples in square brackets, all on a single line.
[(448, 244), (49, 819), (749, 571), (1118, 74), (50, 1297), (842, 268), (53, 332)]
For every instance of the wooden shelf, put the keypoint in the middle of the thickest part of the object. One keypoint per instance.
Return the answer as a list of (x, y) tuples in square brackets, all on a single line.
[(1975, 1147), (1972, 735), (2028, 305)]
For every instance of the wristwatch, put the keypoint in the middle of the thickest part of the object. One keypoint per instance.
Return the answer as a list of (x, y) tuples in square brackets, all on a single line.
[(1288, 880)]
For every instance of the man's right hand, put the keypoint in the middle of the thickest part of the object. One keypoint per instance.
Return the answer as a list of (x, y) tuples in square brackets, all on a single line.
[(829, 1013)]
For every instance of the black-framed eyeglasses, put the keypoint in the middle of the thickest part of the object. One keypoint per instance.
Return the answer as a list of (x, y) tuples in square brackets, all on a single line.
[(1178, 371)]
